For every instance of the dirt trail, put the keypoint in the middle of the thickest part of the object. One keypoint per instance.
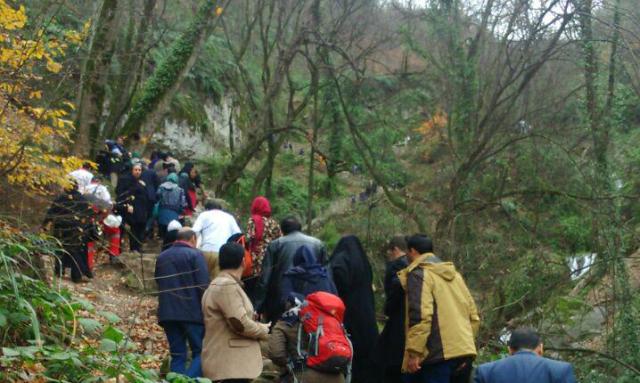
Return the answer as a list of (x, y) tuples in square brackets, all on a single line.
[(137, 312)]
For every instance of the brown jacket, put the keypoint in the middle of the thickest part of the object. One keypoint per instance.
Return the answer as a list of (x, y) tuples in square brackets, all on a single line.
[(283, 343), (231, 348)]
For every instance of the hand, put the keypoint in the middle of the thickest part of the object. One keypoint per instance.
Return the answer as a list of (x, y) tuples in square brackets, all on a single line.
[(129, 209), (413, 365)]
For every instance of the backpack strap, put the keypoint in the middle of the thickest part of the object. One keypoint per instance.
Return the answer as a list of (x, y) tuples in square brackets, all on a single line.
[(291, 365), (347, 378), (319, 333), (299, 346)]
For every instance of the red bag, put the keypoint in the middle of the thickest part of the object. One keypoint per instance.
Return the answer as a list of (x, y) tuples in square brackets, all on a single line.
[(91, 253), (248, 260), (321, 315), (114, 239)]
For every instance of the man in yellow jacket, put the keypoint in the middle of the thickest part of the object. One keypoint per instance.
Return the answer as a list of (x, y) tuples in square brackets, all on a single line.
[(441, 319)]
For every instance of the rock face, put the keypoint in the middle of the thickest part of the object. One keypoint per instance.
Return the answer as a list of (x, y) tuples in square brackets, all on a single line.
[(187, 141), (139, 270)]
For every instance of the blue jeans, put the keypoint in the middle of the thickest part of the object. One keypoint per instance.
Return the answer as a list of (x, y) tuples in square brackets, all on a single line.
[(178, 333), (449, 371)]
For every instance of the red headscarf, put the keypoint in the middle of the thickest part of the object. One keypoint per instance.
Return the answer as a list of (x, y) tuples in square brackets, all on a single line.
[(260, 207)]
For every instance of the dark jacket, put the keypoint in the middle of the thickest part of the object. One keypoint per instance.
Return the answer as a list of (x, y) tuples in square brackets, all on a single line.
[(391, 342), (132, 192), (353, 277), (151, 183), (70, 214), (306, 276), (116, 161), (182, 277), (525, 367), (278, 259)]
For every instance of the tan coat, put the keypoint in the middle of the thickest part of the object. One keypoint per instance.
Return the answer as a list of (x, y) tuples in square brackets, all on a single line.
[(231, 348), (283, 343)]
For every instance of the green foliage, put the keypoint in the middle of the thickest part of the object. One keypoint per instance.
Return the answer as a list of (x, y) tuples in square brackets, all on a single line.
[(40, 327), (329, 234), (290, 197), (172, 377), (190, 109), (168, 71)]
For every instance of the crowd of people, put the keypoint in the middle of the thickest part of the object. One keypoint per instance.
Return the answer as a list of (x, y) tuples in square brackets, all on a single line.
[(125, 195), (228, 299)]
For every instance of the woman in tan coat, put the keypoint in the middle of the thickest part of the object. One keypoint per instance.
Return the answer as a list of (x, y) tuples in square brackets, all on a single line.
[(231, 347), (283, 349)]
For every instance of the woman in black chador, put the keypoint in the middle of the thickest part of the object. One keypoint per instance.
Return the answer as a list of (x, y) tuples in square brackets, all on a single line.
[(133, 204), (353, 278)]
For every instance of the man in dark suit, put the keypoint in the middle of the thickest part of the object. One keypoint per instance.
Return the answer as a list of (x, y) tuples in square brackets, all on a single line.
[(526, 364)]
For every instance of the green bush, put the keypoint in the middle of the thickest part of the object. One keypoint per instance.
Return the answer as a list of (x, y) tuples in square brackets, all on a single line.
[(40, 326)]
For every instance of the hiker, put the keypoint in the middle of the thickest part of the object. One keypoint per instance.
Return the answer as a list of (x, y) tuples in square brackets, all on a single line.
[(391, 342), (172, 233), (525, 363), (231, 343), (151, 184), (306, 276), (132, 202), (118, 155), (261, 230), (171, 203), (181, 275), (284, 340), (98, 192), (279, 258), (354, 280), (111, 230), (189, 182), (69, 215), (154, 157), (171, 160), (83, 176), (160, 166), (442, 319), (214, 227)]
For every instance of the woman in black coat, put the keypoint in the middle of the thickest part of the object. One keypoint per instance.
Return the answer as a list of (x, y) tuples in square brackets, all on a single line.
[(133, 204), (353, 278)]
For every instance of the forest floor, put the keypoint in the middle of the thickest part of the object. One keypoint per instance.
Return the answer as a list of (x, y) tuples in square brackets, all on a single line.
[(137, 311)]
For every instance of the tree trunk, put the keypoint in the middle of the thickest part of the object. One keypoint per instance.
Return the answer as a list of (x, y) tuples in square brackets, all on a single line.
[(93, 79), (159, 89), (132, 60)]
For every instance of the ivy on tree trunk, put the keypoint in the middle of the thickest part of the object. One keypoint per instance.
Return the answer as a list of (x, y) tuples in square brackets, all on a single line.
[(160, 87)]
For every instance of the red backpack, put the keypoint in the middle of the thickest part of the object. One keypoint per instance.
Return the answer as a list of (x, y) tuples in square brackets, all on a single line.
[(330, 350)]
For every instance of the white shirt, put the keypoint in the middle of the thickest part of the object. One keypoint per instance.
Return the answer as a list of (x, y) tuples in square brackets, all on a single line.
[(83, 178), (99, 191), (214, 227)]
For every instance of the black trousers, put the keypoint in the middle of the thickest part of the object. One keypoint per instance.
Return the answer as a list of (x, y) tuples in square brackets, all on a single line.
[(75, 258), (136, 235)]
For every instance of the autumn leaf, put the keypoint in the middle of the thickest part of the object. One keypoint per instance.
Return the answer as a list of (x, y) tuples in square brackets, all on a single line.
[(53, 66)]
